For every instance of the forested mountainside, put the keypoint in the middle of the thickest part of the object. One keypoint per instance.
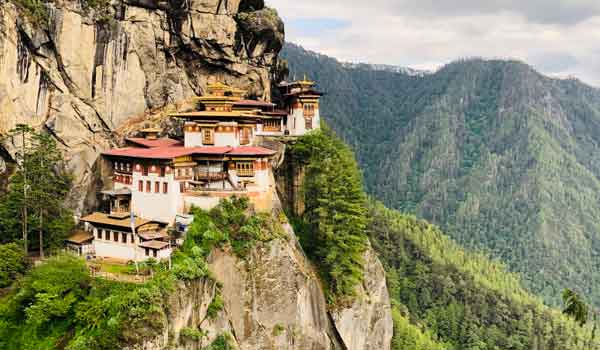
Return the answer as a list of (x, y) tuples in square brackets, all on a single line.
[(442, 297), (504, 159)]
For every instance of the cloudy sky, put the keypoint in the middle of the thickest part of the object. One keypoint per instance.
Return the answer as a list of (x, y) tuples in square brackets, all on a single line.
[(558, 37)]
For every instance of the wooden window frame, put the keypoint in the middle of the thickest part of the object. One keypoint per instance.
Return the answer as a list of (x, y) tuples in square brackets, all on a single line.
[(245, 169), (141, 186), (148, 186), (106, 235), (165, 187), (208, 136), (124, 238), (156, 187)]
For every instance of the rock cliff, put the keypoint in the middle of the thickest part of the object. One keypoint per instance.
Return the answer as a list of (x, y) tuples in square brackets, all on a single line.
[(273, 300), (81, 73)]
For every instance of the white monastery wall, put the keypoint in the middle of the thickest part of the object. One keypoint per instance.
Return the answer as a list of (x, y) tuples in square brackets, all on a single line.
[(156, 206)]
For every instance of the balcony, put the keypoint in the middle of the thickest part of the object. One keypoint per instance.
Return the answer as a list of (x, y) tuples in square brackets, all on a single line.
[(216, 176)]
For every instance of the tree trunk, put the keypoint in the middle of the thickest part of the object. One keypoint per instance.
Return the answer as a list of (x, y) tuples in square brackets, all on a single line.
[(25, 228), (41, 234)]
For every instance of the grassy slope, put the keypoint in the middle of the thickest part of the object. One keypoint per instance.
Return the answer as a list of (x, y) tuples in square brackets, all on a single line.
[(501, 157)]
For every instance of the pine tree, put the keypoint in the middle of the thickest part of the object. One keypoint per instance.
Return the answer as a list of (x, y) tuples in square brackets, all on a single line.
[(35, 200), (335, 210)]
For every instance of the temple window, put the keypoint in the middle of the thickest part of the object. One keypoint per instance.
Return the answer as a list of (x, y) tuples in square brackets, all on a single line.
[(309, 110), (99, 234), (116, 236), (141, 186), (208, 136), (107, 235), (308, 123), (245, 137), (157, 187), (244, 169), (272, 125), (123, 238), (162, 171), (165, 188), (148, 186), (145, 171)]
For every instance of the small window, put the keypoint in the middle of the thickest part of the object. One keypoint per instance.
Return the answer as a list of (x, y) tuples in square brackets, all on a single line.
[(157, 187), (208, 137), (145, 170), (162, 171), (165, 188), (141, 186), (107, 235), (244, 169), (245, 137), (148, 186), (99, 234), (115, 236), (154, 253), (308, 123), (123, 237), (132, 238), (147, 251), (181, 187)]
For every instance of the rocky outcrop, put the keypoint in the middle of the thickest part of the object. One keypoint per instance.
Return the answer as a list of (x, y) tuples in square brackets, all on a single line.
[(81, 75), (273, 300), (367, 323)]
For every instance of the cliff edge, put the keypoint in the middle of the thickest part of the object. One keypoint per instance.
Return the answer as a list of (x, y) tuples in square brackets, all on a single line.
[(80, 73)]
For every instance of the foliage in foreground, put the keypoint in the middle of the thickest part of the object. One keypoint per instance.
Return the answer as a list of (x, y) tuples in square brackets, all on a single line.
[(332, 227), (59, 305), (464, 300), (12, 263)]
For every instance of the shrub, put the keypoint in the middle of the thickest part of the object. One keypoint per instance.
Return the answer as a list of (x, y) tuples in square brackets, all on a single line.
[(215, 307), (12, 263)]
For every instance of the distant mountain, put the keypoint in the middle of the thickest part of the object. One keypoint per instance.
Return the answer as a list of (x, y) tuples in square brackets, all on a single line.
[(503, 158), (385, 68)]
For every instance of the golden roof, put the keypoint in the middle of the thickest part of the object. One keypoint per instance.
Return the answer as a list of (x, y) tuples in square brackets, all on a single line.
[(156, 245), (151, 130), (232, 114), (80, 237), (218, 86), (106, 219)]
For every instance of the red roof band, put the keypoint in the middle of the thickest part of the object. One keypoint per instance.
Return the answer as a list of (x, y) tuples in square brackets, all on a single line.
[(174, 152)]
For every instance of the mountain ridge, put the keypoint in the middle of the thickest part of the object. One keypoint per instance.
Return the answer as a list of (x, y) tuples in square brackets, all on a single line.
[(502, 157)]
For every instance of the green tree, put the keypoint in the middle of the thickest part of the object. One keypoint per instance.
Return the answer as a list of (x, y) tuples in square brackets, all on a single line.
[(36, 196), (335, 210), (575, 307), (12, 263)]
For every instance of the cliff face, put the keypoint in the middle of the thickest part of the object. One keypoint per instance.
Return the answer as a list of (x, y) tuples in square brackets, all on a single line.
[(273, 300), (80, 75)]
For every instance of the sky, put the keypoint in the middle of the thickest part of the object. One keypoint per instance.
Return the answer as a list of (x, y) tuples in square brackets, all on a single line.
[(559, 38)]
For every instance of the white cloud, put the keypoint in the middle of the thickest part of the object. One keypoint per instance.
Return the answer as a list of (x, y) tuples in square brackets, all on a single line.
[(558, 37)]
